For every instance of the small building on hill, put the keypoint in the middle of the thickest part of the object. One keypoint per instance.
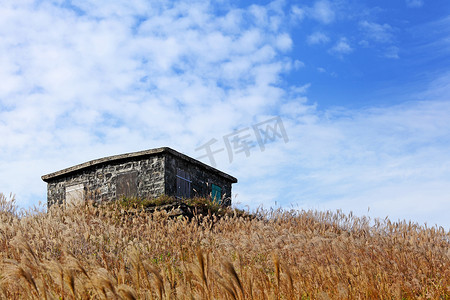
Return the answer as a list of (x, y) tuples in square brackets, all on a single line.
[(145, 174)]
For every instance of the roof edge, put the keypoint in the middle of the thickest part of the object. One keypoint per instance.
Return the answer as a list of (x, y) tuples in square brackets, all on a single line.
[(50, 176)]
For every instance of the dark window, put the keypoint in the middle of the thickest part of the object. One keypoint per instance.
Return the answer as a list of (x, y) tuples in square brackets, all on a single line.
[(216, 193), (126, 185), (183, 184)]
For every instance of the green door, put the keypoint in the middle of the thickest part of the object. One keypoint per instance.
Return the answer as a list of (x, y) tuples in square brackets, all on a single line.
[(216, 193)]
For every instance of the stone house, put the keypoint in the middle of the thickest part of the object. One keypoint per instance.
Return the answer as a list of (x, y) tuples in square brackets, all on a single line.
[(144, 174)]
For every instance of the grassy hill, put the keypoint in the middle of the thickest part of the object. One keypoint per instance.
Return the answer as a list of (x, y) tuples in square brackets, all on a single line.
[(127, 252)]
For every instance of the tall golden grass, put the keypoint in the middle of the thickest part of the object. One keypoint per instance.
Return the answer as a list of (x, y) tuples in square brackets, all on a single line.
[(90, 252)]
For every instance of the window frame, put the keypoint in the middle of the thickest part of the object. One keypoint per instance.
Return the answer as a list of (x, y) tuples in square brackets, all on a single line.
[(74, 194), (183, 184)]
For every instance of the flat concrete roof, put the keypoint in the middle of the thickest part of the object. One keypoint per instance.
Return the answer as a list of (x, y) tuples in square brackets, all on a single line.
[(138, 154)]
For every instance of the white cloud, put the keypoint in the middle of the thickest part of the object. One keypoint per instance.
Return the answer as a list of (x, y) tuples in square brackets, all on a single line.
[(414, 3), (393, 160), (283, 42), (382, 33), (104, 78), (297, 13), (298, 64), (364, 43), (380, 36), (392, 52), (435, 44), (322, 11), (341, 47), (122, 76), (317, 38)]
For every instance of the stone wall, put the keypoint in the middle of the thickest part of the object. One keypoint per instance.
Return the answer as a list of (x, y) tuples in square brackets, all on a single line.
[(143, 177), (202, 179)]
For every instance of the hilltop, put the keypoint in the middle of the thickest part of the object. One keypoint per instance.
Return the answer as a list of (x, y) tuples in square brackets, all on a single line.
[(122, 251)]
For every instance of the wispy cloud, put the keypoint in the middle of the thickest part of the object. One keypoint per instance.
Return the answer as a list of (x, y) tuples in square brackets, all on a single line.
[(297, 13), (322, 11), (392, 52), (102, 78), (381, 33), (414, 3), (389, 159), (431, 42), (341, 47), (381, 37), (317, 38)]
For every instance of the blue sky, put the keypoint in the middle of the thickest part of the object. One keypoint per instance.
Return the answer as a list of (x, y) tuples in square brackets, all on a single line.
[(361, 88)]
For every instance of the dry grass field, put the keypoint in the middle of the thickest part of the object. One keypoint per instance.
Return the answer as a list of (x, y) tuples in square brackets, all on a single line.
[(108, 253)]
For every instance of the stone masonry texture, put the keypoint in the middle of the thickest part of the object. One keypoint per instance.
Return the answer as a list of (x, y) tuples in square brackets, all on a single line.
[(144, 174)]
